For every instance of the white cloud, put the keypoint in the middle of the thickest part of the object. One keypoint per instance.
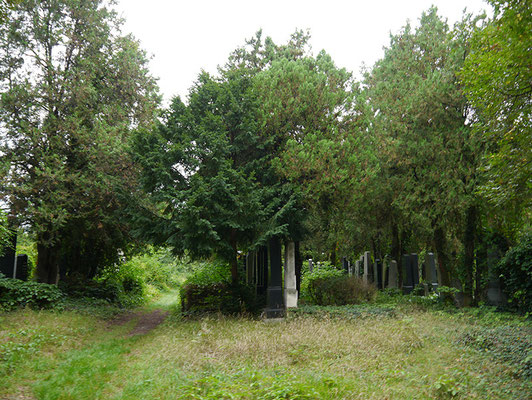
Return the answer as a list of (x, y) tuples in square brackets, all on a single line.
[(187, 36)]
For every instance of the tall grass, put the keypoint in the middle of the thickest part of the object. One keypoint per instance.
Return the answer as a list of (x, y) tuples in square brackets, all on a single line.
[(355, 352)]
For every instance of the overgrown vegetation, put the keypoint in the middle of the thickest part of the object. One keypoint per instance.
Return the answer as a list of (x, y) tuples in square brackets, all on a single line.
[(15, 293), (209, 289), (329, 286), (516, 270), (370, 351)]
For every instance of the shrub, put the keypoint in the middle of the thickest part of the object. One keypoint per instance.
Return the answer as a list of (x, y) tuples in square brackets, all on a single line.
[(329, 286), (120, 290), (155, 267), (516, 271), (16, 293), (221, 297), (209, 290)]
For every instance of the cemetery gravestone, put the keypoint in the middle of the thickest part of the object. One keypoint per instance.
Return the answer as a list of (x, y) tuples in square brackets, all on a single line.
[(414, 264), (275, 307), (494, 293), (366, 277), (431, 272), (8, 262), (393, 275), (22, 267), (345, 264), (290, 291), (408, 283), (378, 273)]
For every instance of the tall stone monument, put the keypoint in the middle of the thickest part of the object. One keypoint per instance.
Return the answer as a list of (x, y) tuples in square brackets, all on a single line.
[(367, 278), (275, 308), (290, 290), (393, 275)]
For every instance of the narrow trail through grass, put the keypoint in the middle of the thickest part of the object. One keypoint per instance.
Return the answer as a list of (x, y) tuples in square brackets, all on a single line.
[(78, 362), (86, 373)]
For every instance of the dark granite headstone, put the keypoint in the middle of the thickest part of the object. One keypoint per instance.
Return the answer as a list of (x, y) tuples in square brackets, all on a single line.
[(408, 279), (22, 267), (8, 260), (414, 264), (275, 307), (378, 268), (345, 264), (431, 271)]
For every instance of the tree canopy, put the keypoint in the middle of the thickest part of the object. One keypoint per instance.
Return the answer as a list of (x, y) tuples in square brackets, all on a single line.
[(72, 88), (498, 81)]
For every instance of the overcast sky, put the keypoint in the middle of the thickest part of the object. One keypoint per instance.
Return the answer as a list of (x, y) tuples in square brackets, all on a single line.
[(184, 37)]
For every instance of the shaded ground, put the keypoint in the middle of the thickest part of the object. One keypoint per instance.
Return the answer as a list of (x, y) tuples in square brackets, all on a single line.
[(148, 318), (148, 322)]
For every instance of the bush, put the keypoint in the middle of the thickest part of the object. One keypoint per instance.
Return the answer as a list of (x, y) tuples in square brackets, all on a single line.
[(221, 297), (209, 290), (16, 293), (516, 271), (329, 286), (155, 267), (120, 290), (78, 287)]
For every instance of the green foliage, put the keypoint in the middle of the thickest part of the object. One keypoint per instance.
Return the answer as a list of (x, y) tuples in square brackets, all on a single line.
[(428, 155), (15, 293), (80, 288), (72, 88), (329, 286), (515, 269), (209, 272), (5, 233), (210, 290), (222, 297), (27, 245), (129, 283), (158, 268), (510, 344), (497, 78), (120, 287)]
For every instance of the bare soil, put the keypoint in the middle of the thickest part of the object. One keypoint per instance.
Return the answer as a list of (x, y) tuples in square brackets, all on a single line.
[(146, 321)]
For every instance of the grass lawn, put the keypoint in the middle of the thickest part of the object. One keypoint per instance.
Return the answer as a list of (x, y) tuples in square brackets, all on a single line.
[(396, 350)]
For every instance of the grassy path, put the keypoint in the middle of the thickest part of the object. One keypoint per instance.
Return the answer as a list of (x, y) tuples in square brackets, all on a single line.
[(67, 355)]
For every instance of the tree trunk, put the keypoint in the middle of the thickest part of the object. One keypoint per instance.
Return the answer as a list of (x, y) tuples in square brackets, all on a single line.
[(234, 259), (333, 257), (440, 245), (469, 249), (47, 264), (480, 271)]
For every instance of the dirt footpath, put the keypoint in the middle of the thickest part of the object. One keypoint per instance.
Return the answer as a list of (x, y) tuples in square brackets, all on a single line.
[(147, 321)]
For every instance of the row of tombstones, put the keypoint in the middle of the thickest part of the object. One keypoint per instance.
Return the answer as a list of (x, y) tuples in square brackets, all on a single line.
[(13, 265), (386, 274)]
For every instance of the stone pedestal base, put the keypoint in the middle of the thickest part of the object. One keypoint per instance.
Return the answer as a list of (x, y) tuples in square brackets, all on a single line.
[(290, 298), (275, 307)]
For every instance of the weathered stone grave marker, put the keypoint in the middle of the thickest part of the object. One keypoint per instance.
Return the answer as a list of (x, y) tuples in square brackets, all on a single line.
[(367, 277), (393, 275), (290, 290)]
